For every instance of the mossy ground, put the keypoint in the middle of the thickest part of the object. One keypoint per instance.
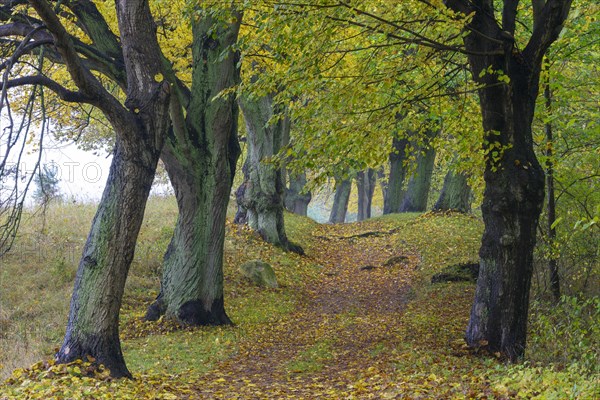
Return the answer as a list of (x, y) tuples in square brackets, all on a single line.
[(332, 329)]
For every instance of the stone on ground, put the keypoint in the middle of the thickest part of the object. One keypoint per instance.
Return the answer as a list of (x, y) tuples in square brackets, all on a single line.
[(259, 272)]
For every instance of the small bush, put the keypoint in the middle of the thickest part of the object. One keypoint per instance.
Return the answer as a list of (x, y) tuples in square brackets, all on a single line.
[(566, 333)]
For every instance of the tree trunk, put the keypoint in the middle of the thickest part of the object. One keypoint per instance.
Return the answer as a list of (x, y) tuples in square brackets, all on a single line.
[(511, 207), (417, 192), (514, 191), (295, 200), (455, 195), (394, 195), (200, 160), (93, 327), (241, 215), (265, 187), (365, 182), (551, 198), (340, 201), (513, 195)]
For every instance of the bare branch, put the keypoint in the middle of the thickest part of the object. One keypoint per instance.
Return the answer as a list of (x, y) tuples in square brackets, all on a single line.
[(87, 83), (62, 92)]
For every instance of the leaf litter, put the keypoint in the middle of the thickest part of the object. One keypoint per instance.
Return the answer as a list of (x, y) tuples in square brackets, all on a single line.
[(356, 318)]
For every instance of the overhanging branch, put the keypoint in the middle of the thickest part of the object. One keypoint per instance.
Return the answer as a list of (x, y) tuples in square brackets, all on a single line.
[(62, 92)]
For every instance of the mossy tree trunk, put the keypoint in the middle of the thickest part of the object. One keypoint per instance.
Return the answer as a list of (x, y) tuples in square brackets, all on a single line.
[(343, 187), (514, 191), (455, 194), (394, 195), (265, 186), (200, 157), (365, 183), (140, 127), (93, 326), (296, 199), (417, 191)]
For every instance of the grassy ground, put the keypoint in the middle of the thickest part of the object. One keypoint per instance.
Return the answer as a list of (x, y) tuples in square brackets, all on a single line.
[(329, 330)]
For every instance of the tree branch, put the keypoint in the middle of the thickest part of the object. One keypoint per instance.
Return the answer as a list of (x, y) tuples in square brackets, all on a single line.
[(549, 23), (509, 16), (82, 77), (62, 92)]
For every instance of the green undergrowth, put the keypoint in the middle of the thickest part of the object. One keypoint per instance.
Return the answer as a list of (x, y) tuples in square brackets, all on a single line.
[(431, 360)]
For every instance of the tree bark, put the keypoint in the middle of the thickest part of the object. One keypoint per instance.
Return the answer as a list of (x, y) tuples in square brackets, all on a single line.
[(241, 215), (455, 194), (394, 194), (550, 197), (200, 158), (417, 192), (295, 200), (265, 187), (93, 325), (340, 201), (365, 182), (514, 191)]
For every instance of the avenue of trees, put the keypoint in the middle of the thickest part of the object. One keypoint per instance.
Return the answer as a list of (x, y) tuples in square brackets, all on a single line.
[(326, 90)]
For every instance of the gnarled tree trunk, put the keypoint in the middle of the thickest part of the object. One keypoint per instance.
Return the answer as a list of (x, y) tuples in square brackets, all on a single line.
[(200, 158), (93, 325), (455, 194), (265, 187)]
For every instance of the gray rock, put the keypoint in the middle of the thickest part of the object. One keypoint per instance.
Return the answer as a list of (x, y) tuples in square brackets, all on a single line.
[(259, 272)]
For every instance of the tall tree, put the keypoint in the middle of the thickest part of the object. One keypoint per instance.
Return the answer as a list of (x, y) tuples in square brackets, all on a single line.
[(509, 73), (550, 194), (140, 123), (200, 156), (296, 196), (264, 186)]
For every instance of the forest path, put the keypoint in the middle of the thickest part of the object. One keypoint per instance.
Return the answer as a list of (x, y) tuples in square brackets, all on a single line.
[(337, 339)]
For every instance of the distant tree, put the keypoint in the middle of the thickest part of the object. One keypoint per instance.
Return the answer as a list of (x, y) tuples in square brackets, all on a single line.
[(296, 195), (46, 181), (455, 194), (394, 193), (340, 200), (417, 191), (267, 128), (365, 184)]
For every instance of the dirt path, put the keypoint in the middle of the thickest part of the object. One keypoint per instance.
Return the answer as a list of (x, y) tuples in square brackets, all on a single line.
[(341, 329)]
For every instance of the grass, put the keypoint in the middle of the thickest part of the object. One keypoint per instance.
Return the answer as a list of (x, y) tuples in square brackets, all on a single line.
[(311, 359), (430, 361)]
